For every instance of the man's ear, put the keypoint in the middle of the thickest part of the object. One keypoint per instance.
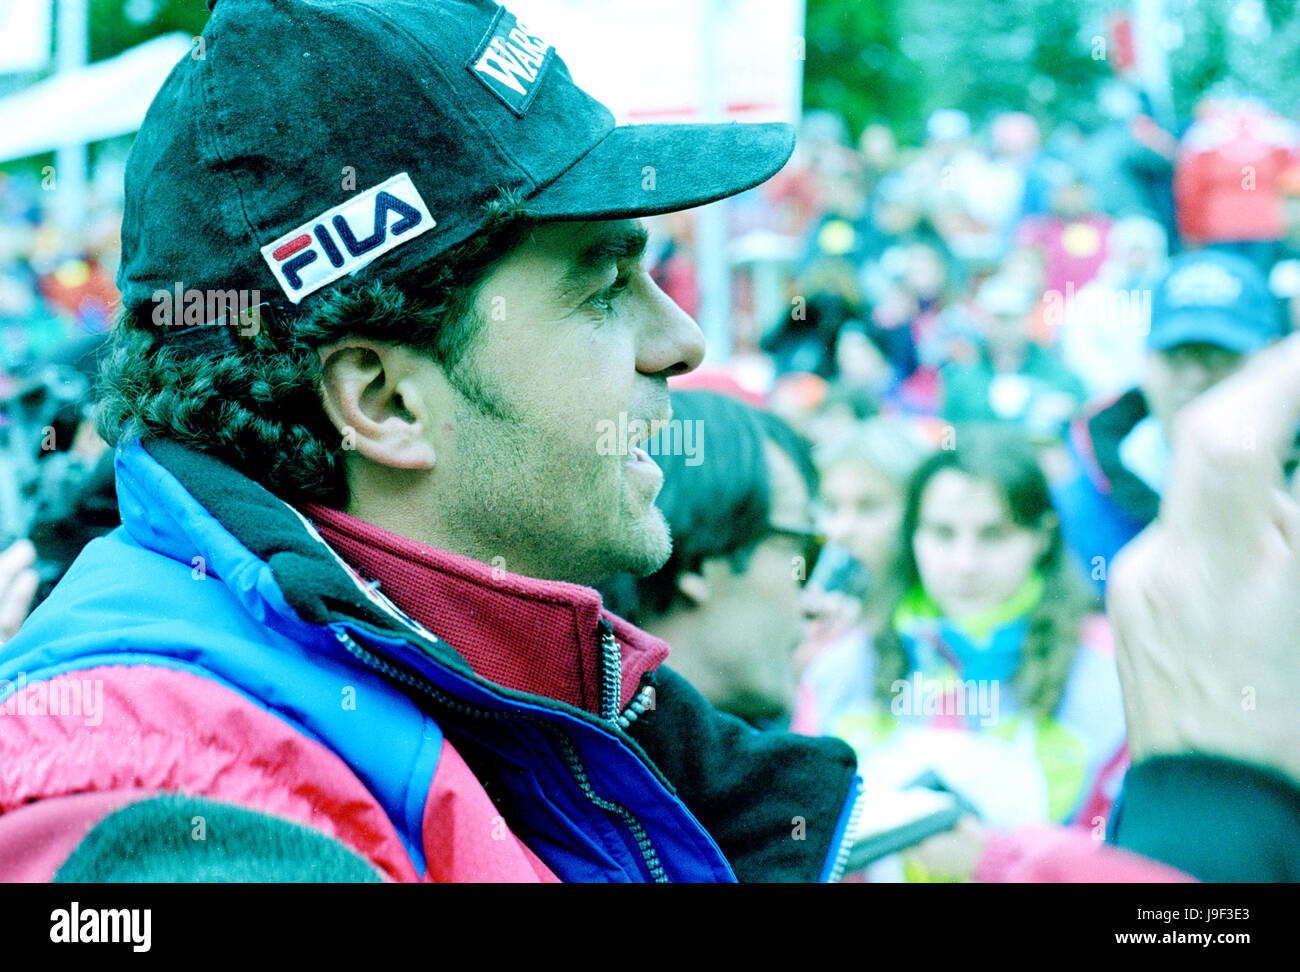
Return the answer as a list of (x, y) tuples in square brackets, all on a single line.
[(372, 393), (694, 587)]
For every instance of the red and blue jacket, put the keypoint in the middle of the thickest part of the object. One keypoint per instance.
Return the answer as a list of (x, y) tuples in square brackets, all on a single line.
[(215, 652)]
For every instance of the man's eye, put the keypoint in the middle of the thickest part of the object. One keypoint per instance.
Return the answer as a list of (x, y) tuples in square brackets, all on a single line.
[(605, 299)]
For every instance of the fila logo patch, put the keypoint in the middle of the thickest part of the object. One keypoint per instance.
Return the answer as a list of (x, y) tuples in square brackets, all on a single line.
[(344, 239), (510, 61)]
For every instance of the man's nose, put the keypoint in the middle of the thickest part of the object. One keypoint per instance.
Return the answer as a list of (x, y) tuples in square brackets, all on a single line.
[(671, 343)]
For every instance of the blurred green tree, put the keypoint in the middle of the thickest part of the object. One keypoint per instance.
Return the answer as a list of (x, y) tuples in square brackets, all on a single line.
[(116, 25), (897, 60)]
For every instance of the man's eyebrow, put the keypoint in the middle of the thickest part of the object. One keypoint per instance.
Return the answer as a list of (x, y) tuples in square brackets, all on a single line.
[(624, 243)]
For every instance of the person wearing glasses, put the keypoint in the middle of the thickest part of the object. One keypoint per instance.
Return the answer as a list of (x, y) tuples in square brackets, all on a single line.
[(864, 475), (739, 507)]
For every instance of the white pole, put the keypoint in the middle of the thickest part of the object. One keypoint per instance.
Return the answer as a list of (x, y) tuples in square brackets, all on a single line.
[(711, 257), (71, 53), (1149, 27)]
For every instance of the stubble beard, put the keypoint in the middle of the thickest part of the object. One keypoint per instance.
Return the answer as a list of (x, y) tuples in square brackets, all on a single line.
[(571, 516)]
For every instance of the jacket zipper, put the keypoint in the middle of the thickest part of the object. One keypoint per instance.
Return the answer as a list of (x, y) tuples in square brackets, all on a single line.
[(856, 794), (574, 762), (648, 854), (644, 699), (612, 683), (611, 671), (611, 692)]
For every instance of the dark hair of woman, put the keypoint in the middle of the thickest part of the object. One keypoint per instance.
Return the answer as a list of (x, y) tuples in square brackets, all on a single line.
[(1003, 458)]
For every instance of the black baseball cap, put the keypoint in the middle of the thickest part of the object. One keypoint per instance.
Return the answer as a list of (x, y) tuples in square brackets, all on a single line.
[(305, 142)]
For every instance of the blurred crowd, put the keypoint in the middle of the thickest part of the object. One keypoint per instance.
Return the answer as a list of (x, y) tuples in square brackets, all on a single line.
[(916, 471), (57, 301), (985, 345), (56, 281)]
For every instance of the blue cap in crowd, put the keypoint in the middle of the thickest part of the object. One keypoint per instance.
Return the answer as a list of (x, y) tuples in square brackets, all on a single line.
[(1208, 297)]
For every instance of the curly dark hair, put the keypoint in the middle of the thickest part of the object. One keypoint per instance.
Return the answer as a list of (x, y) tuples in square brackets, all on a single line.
[(258, 408)]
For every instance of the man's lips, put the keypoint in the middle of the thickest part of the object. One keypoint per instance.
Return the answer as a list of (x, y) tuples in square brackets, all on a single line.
[(652, 426), (641, 467)]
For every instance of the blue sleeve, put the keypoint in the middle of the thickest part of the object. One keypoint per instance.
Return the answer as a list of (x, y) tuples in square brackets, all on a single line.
[(1091, 526)]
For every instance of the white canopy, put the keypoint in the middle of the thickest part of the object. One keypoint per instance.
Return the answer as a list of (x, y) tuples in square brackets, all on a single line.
[(651, 62), (101, 100)]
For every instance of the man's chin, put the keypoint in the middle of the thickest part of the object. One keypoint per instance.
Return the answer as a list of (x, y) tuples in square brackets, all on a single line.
[(647, 547)]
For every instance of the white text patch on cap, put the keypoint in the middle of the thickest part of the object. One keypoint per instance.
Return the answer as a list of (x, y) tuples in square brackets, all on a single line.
[(510, 61), (344, 239)]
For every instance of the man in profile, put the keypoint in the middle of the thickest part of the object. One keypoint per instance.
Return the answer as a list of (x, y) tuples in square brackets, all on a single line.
[(348, 605)]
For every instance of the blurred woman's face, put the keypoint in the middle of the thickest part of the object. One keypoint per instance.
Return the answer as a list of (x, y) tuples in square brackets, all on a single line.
[(862, 512), (925, 274), (970, 554)]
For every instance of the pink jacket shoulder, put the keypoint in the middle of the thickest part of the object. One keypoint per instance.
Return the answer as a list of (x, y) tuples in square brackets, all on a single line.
[(159, 730)]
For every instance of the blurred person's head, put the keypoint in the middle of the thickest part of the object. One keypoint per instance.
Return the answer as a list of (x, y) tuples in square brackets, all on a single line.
[(1118, 101), (831, 289), (860, 361), (1212, 106), (844, 406), (879, 147), (796, 396), (1137, 247), (864, 477), (1015, 134), (844, 193), (897, 210), (804, 339), (822, 129), (824, 140), (979, 532), (1072, 198), (728, 599), (925, 273), (1026, 266), (19, 301), (17, 237), (948, 127), (1209, 313), (1003, 307)]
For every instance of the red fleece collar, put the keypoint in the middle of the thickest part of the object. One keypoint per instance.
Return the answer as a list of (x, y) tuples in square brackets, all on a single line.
[(525, 634)]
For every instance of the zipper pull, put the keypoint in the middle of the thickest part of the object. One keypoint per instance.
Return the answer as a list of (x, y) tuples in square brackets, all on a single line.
[(611, 672)]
